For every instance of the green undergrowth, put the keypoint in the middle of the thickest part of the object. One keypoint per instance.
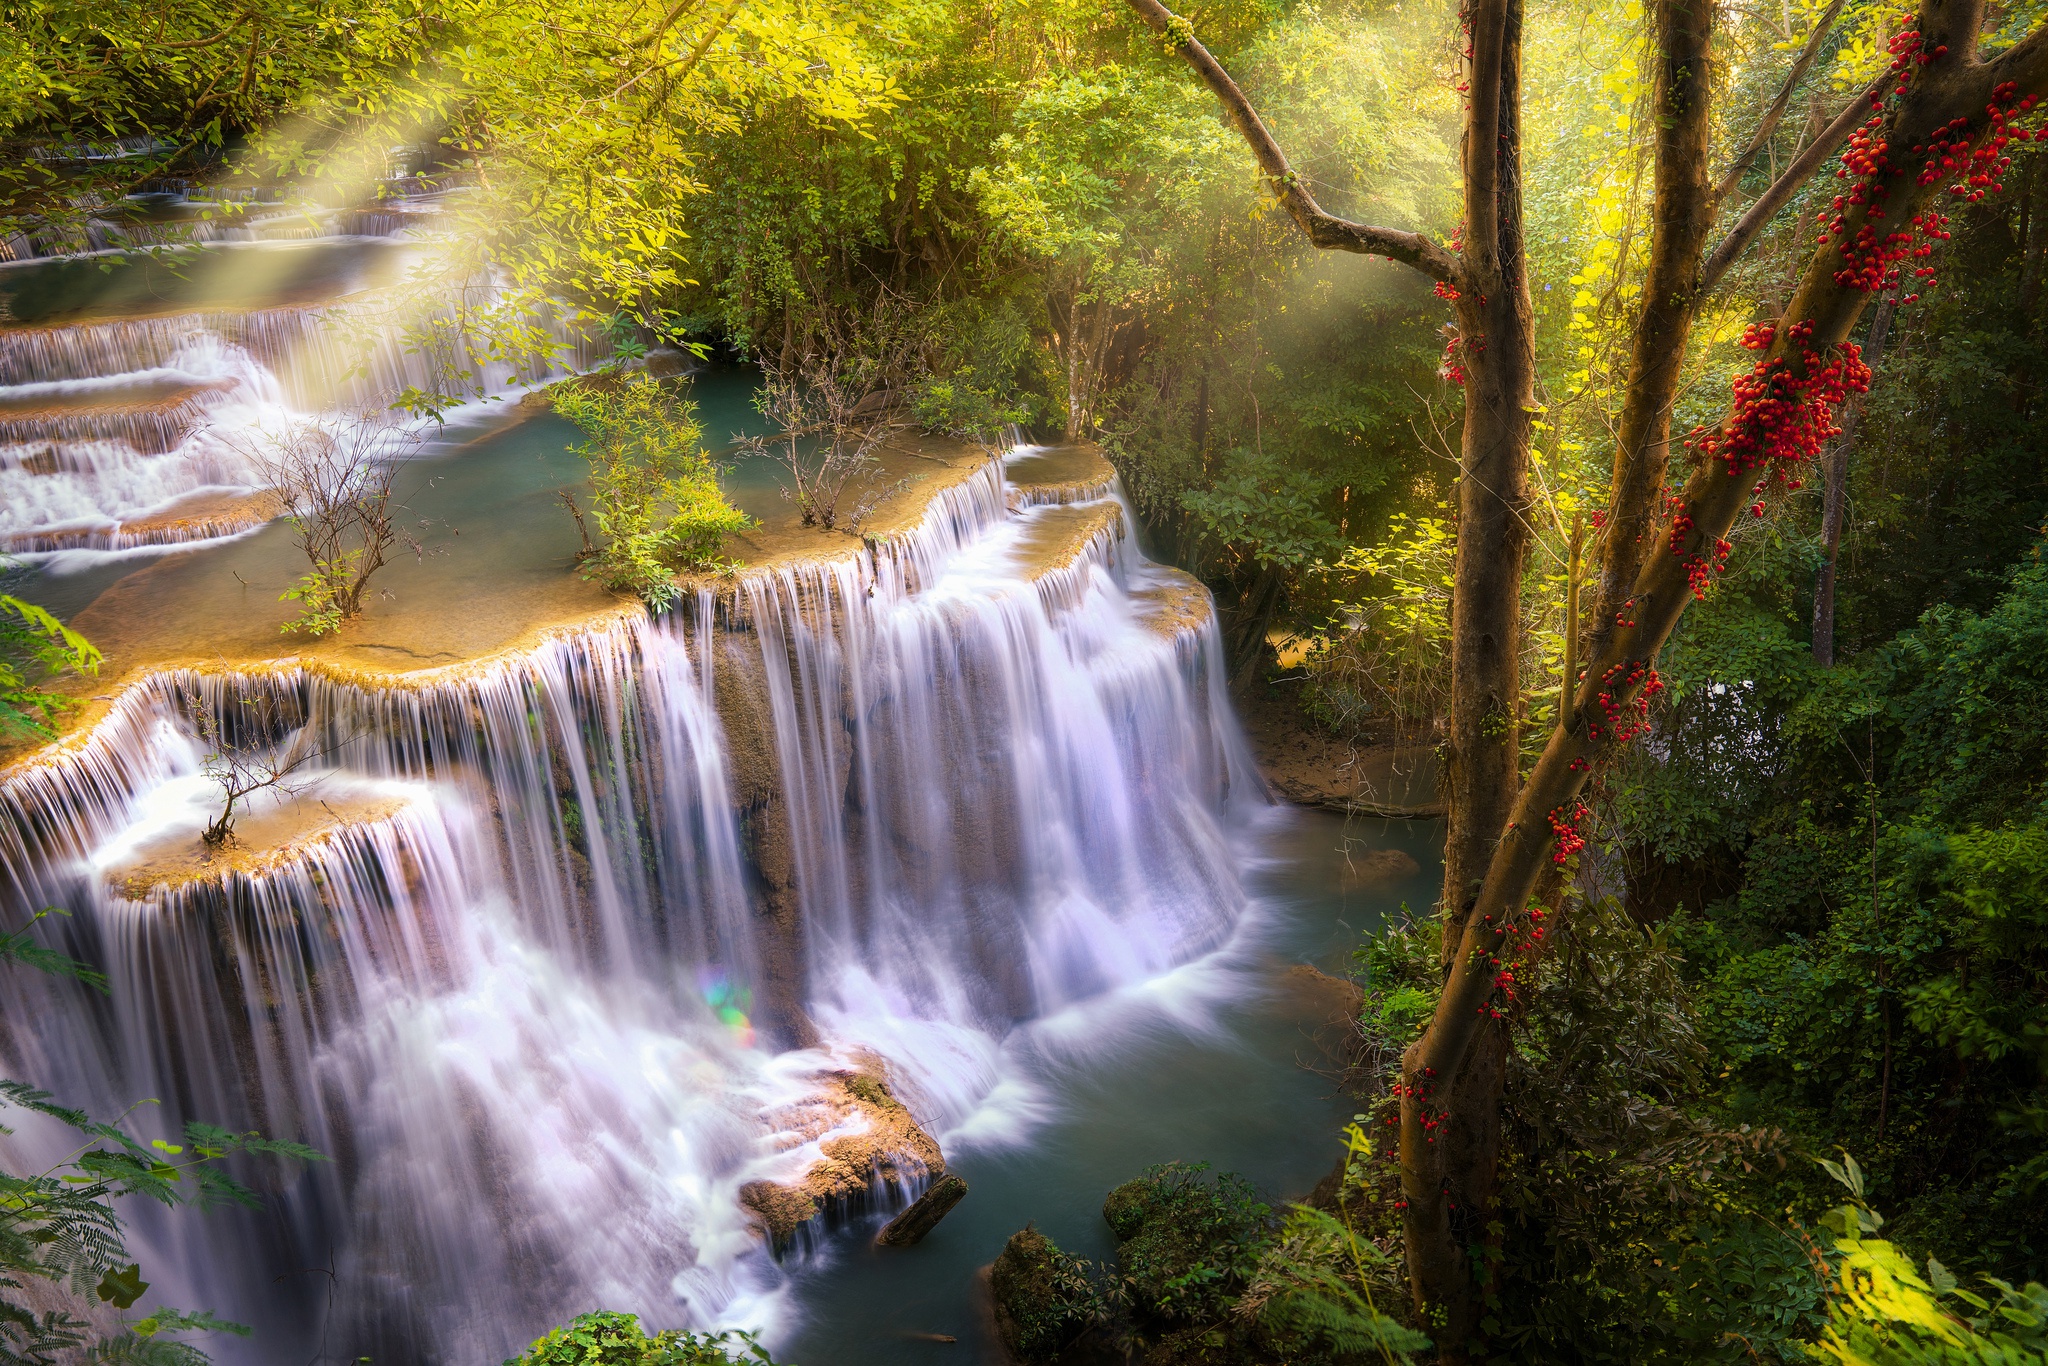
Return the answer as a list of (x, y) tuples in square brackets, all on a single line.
[(611, 1339)]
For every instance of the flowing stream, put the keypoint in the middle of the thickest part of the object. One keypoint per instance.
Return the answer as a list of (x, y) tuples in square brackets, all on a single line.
[(565, 940)]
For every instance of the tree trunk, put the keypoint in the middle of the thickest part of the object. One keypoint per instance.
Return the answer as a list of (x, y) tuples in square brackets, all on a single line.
[(1683, 206), (1812, 336), (1450, 1158), (1834, 502), (2034, 242)]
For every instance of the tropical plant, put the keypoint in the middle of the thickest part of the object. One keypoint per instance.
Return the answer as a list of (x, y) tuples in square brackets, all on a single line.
[(59, 1226), (31, 639), (653, 490), (611, 1339)]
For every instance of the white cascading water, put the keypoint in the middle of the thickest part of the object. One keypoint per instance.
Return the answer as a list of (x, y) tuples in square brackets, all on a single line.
[(614, 906), (108, 423)]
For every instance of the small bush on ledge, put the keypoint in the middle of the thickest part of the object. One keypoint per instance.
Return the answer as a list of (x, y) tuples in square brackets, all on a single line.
[(609, 1339), (653, 490)]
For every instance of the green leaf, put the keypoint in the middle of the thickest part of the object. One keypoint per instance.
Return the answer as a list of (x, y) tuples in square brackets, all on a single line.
[(122, 1286)]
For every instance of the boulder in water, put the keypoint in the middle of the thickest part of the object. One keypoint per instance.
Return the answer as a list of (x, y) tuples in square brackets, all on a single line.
[(923, 1216), (1034, 1284), (866, 1137)]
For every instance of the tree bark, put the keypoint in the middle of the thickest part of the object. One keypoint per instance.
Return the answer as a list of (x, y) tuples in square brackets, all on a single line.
[(2034, 242), (1834, 502), (1683, 209)]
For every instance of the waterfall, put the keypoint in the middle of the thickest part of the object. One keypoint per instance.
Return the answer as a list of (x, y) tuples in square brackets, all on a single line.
[(109, 430), (554, 950)]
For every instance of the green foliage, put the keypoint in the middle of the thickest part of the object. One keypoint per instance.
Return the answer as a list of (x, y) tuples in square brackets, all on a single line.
[(32, 641), (1883, 1313), (1313, 1293), (653, 489), (611, 1339), (1046, 1299), (19, 947), (1186, 1243), (1385, 650), (1871, 847), (59, 1226)]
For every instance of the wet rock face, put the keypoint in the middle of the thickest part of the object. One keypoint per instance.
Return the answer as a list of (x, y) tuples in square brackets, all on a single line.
[(867, 1140)]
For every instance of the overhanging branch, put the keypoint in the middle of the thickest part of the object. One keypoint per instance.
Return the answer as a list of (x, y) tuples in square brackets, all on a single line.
[(1770, 201), (1776, 113), (1324, 229)]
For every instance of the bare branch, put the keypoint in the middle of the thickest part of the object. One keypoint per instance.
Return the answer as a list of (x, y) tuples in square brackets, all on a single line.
[(1324, 229), (1775, 115), (1770, 201)]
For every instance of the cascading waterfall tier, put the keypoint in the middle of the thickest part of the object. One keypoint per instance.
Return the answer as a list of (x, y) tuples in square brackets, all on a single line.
[(563, 957), (148, 431)]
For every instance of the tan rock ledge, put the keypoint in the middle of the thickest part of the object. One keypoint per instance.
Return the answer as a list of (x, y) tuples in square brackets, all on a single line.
[(1076, 473), (865, 1137), (201, 517), (1174, 604), (271, 836), (1060, 537)]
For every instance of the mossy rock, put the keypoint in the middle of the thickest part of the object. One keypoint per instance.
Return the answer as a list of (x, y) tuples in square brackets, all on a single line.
[(1126, 1208), (1037, 1310), (1185, 1243), (872, 1090)]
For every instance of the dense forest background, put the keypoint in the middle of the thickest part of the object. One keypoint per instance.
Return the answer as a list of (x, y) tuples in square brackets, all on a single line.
[(1812, 916)]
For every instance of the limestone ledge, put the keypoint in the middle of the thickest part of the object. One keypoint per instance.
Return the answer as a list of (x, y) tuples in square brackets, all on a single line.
[(203, 516), (865, 1136), (1074, 473), (162, 620), (272, 836)]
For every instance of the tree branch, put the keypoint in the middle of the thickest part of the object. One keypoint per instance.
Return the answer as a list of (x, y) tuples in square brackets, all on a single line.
[(2025, 62), (1324, 229), (1770, 201), (1776, 113)]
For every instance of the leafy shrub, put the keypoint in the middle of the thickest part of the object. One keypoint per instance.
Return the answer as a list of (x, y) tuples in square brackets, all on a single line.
[(610, 1339), (1385, 653), (1046, 1299), (1186, 1244), (653, 490), (334, 482), (30, 638)]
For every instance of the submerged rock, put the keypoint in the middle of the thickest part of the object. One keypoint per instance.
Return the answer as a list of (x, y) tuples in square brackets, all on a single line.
[(911, 1226)]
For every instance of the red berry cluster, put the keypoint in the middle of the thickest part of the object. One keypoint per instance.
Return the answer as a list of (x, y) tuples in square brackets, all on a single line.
[(1980, 172), (1565, 827), (1699, 569), (1446, 292), (1450, 367), (1628, 717), (1430, 1122), (1521, 941), (1782, 416), (1871, 257)]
